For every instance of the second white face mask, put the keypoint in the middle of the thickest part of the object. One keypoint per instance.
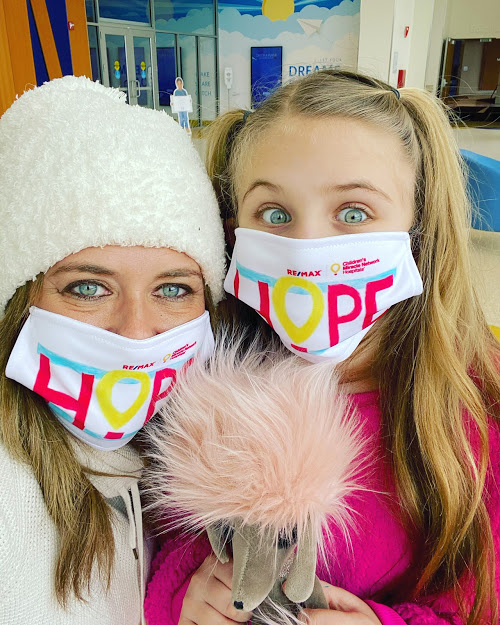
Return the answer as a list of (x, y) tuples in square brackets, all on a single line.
[(101, 386), (321, 296)]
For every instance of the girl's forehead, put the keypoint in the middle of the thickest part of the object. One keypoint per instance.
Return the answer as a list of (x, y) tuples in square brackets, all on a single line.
[(322, 149)]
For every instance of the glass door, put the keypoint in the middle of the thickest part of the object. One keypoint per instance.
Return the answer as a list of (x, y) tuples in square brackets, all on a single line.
[(143, 71), (115, 73), (127, 55)]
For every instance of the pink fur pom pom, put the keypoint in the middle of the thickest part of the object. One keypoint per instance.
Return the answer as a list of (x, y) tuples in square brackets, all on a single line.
[(266, 439)]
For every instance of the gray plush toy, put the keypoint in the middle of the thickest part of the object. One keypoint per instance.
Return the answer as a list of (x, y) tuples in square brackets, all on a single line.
[(262, 452)]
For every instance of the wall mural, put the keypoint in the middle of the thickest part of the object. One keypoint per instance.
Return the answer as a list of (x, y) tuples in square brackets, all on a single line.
[(312, 35), (298, 36)]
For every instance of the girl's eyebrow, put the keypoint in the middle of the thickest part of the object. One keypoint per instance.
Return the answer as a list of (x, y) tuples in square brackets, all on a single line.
[(357, 184), (349, 186), (261, 183)]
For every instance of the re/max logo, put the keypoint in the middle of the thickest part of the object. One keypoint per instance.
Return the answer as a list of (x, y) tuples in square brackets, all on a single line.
[(304, 274)]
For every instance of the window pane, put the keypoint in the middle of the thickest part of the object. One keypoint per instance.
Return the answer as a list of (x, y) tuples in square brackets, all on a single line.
[(94, 54), (143, 71), (167, 70), (207, 79), (189, 71), (185, 16), (131, 10), (117, 61), (89, 8)]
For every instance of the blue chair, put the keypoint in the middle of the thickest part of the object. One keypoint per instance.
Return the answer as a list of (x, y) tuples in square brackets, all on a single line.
[(484, 189)]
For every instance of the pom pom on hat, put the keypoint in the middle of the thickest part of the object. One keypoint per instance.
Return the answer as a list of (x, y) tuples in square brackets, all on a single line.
[(80, 168)]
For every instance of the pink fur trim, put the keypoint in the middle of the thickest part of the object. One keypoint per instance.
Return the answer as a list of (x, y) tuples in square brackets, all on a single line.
[(267, 440)]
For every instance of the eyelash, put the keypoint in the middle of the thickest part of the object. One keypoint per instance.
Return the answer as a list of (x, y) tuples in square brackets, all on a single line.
[(70, 290), (259, 214), (355, 207), (188, 291)]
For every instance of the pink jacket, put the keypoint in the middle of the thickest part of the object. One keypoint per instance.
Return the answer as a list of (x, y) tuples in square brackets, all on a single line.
[(380, 553)]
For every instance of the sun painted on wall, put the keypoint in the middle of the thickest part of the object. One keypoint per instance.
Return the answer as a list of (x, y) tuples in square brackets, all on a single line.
[(278, 9)]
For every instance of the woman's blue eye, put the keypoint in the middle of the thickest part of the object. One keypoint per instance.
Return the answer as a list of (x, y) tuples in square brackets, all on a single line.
[(171, 290), (86, 289), (352, 215), (276, 216)]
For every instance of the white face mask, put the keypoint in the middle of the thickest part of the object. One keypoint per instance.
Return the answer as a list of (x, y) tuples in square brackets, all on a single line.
[(321, 296), (101, 386)]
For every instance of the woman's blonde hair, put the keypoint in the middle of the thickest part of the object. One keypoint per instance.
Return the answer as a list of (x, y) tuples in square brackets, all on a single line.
[(32, 435), (437, 361)]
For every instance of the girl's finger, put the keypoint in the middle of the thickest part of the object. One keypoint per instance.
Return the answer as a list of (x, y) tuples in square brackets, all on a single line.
[(345, 601), (335, 617)]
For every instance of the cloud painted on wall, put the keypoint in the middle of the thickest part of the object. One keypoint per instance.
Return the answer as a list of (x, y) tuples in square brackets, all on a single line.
[(200, 21), (254, 7), (261, 27), (257, 26), (333, 29)]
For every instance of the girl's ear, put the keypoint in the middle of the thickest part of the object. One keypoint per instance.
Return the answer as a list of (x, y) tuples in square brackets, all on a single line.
[(300, 580), (229, 228), (217, 535)]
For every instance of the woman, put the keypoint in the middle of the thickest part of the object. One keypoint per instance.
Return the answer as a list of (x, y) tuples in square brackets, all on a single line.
[(111, 250)]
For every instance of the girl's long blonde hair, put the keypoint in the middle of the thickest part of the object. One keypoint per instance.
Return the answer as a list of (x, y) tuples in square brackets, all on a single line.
[(437, 359)]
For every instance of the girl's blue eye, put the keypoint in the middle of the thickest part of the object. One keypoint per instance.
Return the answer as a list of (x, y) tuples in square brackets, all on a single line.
[(172, 290), (276, 216), (352, 215)]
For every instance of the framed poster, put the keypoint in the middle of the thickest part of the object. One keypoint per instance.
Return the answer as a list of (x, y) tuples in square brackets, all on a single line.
[(266, 71)]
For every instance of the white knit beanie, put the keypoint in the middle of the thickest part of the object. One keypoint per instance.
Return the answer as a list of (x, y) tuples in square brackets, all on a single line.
[(81, 168)]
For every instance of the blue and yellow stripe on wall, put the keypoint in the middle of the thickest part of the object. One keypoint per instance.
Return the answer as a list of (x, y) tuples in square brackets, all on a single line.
[(40, 45)]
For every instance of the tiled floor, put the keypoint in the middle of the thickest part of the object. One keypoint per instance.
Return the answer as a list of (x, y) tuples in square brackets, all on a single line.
[(485, 246)]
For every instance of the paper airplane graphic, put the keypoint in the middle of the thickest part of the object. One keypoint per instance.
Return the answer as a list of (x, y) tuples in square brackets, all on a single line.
[(310, 26)]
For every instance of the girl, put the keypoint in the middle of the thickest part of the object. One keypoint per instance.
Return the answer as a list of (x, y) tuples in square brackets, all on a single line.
[(349, 202), (111, 249)]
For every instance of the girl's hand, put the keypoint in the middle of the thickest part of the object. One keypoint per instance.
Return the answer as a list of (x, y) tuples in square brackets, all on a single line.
[(345, 609), (208, 598)]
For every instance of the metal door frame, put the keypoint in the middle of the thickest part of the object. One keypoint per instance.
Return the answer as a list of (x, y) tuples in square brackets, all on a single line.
[(128, 33)]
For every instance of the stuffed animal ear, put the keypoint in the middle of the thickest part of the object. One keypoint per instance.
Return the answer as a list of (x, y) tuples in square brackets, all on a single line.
[(218, 535), (300, 580)]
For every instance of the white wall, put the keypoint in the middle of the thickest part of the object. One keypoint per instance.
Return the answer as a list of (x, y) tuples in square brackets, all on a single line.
[(381, 35), (420, 43), (375, 37), (473, 19), (400, 50), (437, 35)]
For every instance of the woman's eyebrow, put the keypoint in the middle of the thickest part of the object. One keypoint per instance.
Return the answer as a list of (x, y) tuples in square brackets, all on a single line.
[(97, 269), (261, 183), (179, 273), (75, 267)]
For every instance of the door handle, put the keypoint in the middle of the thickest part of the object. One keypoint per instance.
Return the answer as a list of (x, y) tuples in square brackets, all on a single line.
[(138, 87)]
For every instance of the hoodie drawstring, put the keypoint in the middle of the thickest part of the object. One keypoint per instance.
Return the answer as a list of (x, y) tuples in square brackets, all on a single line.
[(136, 538)]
